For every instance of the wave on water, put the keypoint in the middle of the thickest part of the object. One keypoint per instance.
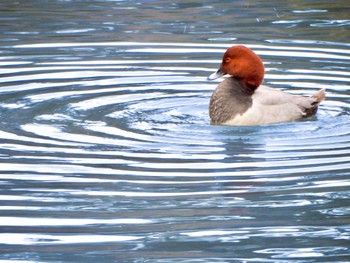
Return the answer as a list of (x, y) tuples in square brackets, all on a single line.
[(121, 150)]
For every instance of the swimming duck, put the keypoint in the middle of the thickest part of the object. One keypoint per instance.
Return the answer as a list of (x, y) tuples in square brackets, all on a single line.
[(241, 99)]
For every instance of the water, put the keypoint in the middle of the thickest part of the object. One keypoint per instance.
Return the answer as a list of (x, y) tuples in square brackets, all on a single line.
[(106, 149)]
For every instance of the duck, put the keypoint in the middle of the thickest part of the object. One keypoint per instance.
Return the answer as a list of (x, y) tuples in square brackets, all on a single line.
[(241, 99)]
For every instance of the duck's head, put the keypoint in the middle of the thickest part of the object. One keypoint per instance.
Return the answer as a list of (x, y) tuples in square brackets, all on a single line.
[(243, 64)]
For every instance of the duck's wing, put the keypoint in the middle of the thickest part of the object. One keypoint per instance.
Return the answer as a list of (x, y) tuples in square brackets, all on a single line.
[(268, 96), (274, 106)]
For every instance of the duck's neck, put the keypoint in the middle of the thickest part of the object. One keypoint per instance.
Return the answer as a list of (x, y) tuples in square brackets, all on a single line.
[(247, 88)]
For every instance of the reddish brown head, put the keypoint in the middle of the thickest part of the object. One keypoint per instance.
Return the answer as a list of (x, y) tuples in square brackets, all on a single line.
[(242, 63)]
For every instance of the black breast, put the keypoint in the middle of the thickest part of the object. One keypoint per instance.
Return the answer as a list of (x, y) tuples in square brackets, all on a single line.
[(230, 98)]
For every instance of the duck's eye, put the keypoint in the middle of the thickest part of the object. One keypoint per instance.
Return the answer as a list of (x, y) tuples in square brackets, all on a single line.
[(227, 60)]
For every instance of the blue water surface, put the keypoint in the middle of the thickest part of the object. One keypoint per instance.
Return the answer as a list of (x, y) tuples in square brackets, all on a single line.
[(106, 149)]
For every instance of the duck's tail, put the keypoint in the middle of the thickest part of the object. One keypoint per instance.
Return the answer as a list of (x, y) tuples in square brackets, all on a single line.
[(317, 98)]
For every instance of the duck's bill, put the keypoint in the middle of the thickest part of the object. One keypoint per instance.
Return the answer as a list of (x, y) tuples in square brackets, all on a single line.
[(219, 73)]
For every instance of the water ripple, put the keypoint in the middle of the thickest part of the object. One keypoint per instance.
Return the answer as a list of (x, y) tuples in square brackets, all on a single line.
[(123, 146)]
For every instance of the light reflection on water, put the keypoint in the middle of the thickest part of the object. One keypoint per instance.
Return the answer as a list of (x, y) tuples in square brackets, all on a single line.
[(107, 153)]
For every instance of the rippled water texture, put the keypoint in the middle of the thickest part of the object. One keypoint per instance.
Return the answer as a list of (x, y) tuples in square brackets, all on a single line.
[(107, 154)]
